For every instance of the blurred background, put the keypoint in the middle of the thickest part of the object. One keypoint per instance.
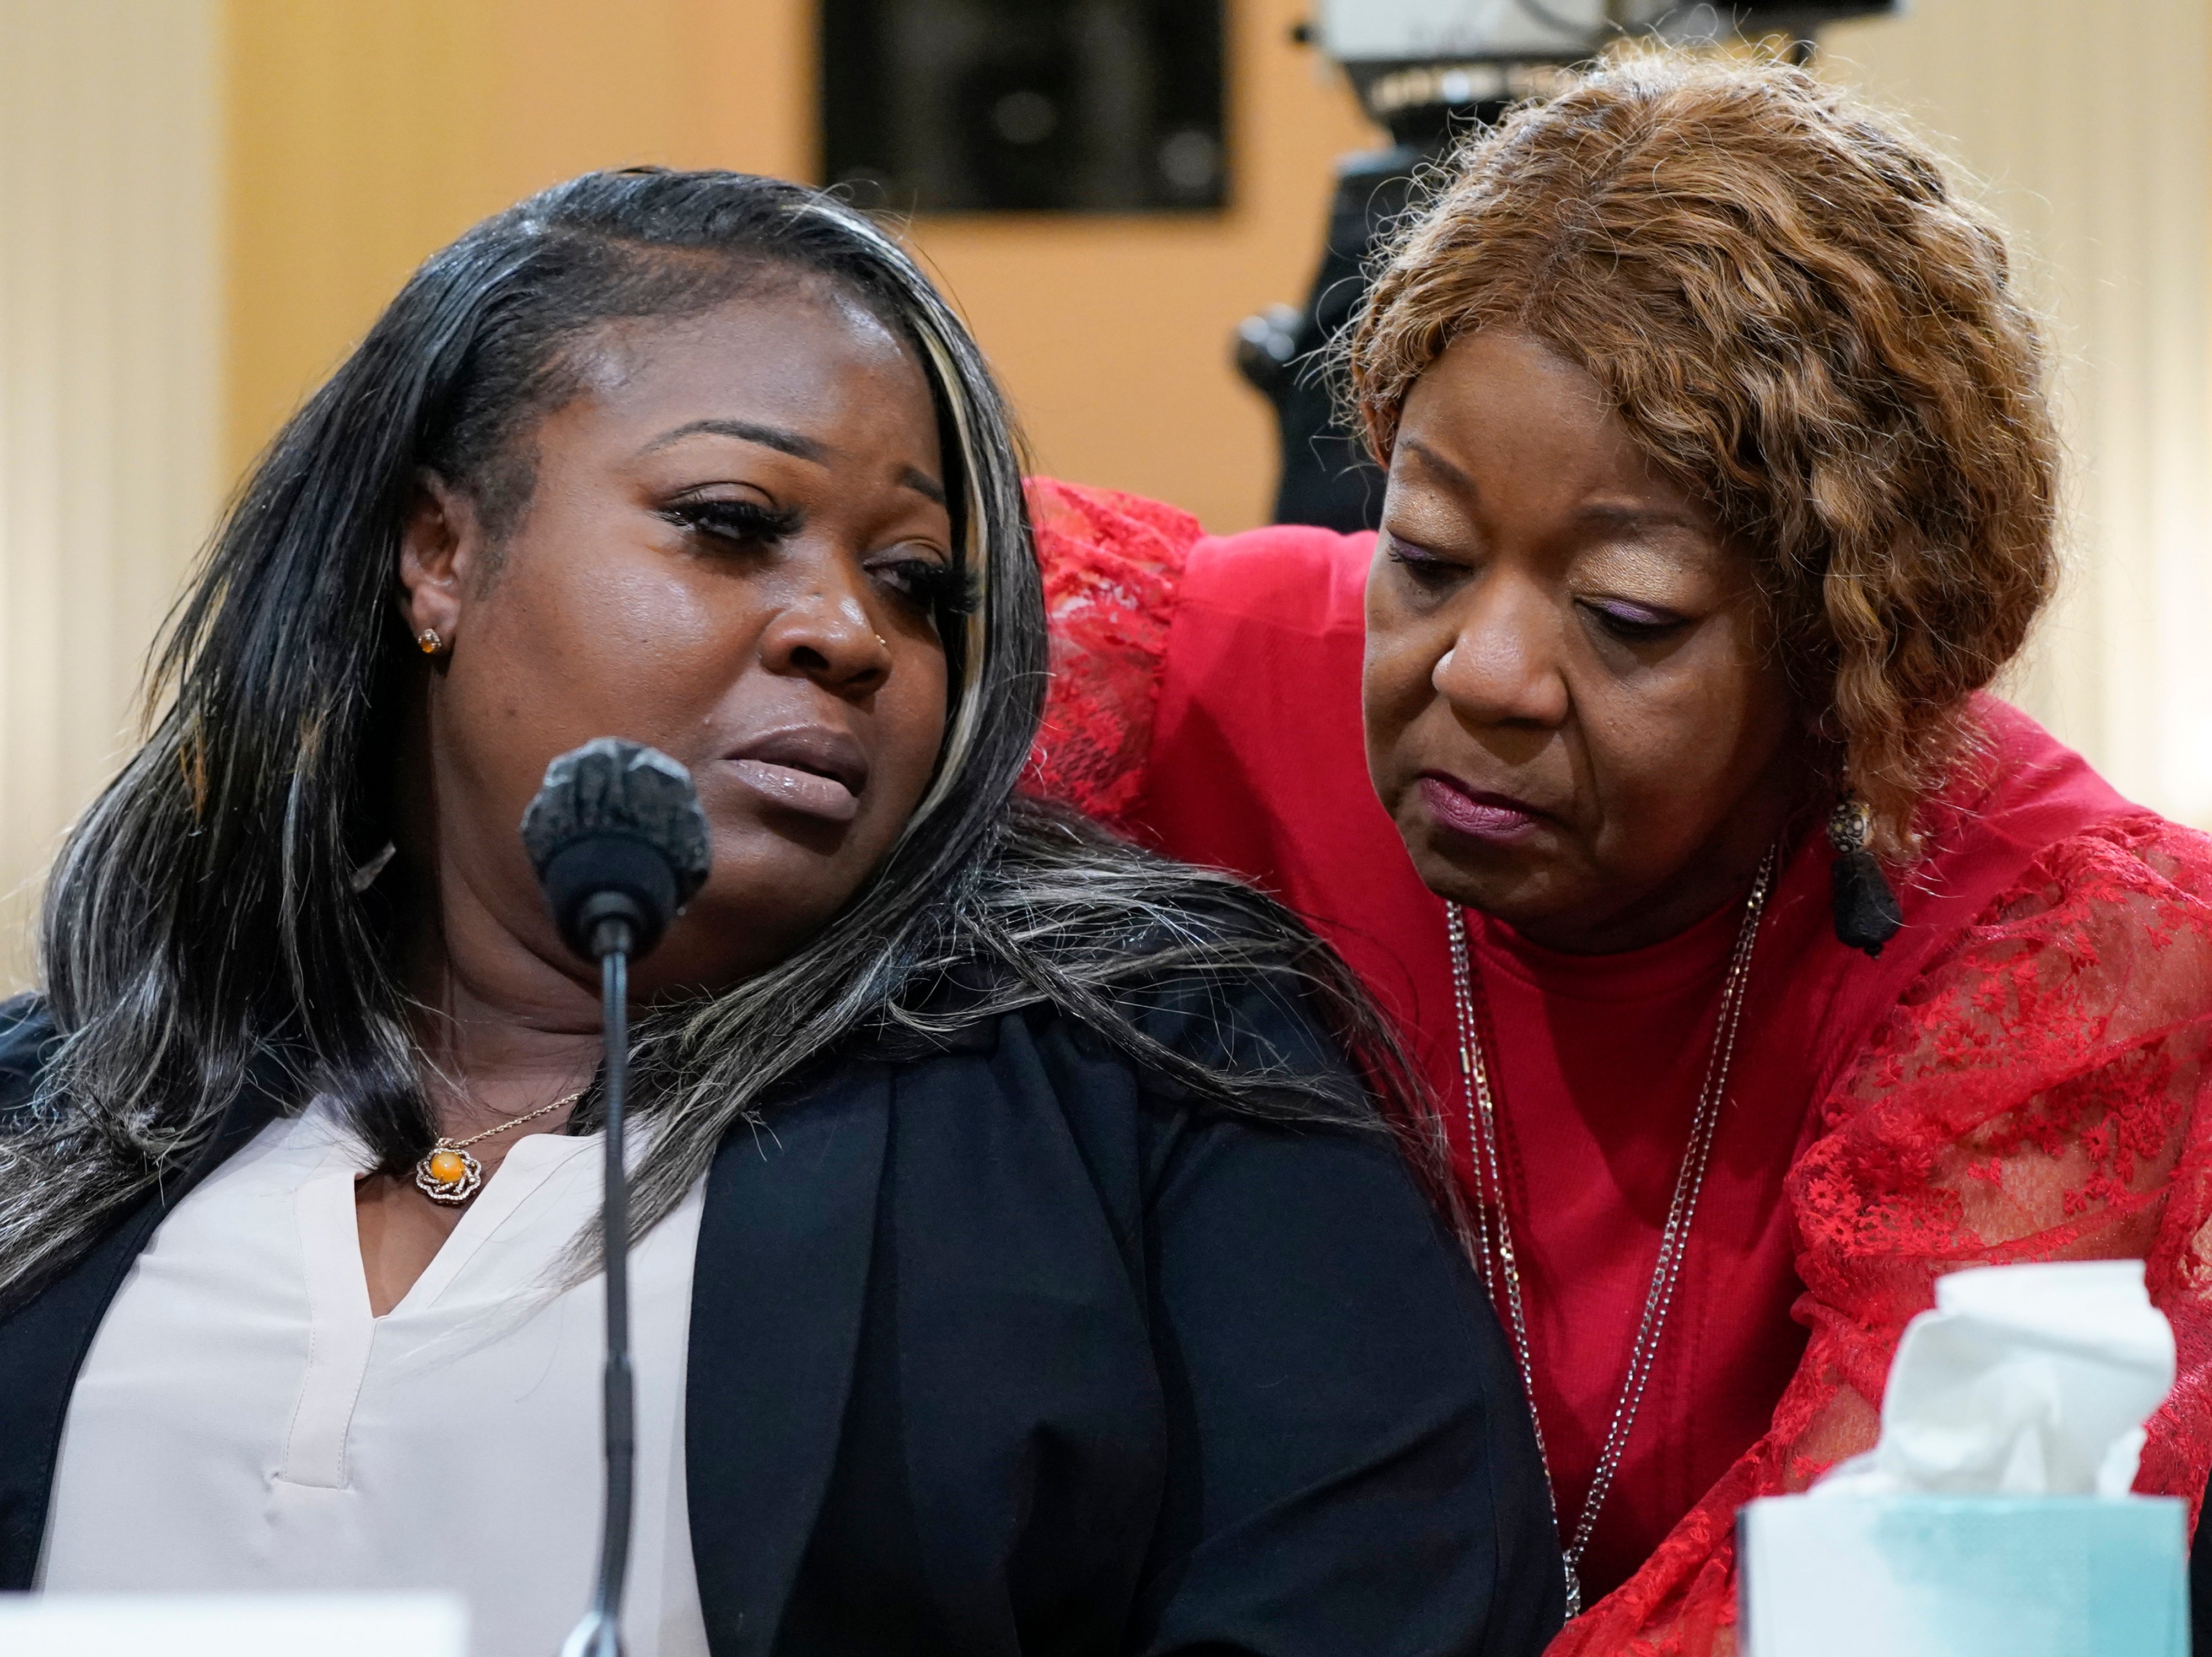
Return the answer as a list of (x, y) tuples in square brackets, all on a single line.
[(204, 202)]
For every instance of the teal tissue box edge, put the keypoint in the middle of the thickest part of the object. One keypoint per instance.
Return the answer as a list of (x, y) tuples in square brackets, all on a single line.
[(1963, 1575)]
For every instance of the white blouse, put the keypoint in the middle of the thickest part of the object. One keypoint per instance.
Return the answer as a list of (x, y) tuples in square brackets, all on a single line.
[(241, 1423)]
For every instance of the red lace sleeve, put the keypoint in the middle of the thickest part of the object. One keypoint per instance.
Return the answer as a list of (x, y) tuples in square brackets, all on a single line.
[(1111, 564), (2041, 1093)]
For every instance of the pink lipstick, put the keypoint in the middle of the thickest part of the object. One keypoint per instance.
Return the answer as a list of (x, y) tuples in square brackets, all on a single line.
[(1498, 818), (812, 769)]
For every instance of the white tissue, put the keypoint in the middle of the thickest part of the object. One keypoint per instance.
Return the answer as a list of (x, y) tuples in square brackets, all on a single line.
[(2024, 1381)]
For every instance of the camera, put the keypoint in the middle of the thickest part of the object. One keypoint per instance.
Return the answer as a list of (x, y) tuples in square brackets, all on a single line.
[(1428, 71)]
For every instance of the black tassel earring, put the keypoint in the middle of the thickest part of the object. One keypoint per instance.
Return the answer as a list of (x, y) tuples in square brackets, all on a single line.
[(1867, 915)]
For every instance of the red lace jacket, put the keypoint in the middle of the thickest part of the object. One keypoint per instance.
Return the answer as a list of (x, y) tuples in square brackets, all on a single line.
[(2022, 1076)]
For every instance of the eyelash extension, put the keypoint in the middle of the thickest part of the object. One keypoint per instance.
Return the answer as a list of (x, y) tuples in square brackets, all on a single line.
[(937, 588), (746, 523)]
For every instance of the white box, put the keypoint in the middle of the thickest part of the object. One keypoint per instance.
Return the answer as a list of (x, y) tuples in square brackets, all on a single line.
[(1964, 1576), (232, 1625)]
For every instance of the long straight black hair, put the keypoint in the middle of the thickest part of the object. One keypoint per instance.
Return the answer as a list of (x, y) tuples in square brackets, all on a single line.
[(216, 910)]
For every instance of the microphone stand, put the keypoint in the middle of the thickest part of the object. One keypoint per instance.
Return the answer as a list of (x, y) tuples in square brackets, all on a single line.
[(600, 1634), (619, 844)]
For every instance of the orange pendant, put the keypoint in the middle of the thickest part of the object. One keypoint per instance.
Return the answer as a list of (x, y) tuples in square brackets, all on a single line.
[(448, 1174)]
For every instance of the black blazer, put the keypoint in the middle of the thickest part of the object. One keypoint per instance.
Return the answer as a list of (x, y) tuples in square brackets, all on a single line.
[(1006, 1349)]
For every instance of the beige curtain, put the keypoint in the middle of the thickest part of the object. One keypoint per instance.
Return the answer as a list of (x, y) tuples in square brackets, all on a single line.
[(2090, 122), (110, 402)]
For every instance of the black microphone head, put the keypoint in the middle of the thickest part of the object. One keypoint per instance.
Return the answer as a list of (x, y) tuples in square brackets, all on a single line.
[(619, 843)]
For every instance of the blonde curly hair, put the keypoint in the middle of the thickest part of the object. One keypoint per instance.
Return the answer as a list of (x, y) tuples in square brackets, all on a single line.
[(1803, 321)]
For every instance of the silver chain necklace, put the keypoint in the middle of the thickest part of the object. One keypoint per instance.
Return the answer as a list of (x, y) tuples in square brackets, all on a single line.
[(1497, 1257)]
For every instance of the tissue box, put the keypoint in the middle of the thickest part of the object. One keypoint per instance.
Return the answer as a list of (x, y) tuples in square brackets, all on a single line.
[(232, 1625), (1917, 1575)]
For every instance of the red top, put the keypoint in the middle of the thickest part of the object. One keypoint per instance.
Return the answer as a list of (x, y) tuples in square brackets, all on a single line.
[(1885, 1121), (1596, 1064)]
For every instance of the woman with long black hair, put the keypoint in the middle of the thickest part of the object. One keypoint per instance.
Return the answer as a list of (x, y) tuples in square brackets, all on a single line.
[(1020, 1267)]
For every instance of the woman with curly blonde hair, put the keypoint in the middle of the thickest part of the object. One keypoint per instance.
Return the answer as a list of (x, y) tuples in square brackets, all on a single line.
[(1764, 966)]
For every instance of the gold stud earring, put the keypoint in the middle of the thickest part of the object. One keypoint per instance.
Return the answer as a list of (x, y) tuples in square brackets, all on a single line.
[(429, 640)]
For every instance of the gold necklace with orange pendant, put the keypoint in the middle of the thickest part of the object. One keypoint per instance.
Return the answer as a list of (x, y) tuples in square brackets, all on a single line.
[(450, 1175)]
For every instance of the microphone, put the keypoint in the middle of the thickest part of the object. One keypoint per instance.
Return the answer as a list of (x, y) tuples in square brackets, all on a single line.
[(620, 845)]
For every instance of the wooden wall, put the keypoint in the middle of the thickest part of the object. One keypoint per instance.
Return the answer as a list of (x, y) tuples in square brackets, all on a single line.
[(204, 202)]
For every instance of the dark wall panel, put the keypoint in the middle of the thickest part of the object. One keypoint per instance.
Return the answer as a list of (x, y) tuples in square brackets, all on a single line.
[(1026, 106)]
